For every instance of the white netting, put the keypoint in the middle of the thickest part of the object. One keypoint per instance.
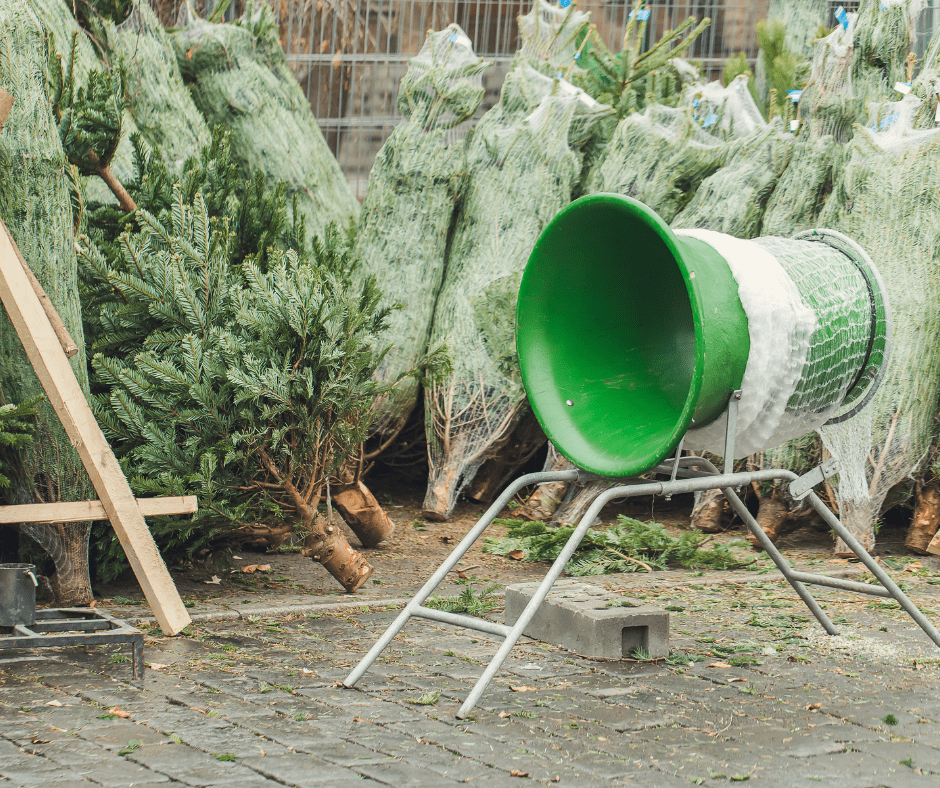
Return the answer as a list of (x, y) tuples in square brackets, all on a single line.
[(240, 80), (803, 188), (729, 112), (734, 198), (886, 199), (659, 157), (552, 34), (523, 162), (159, 101), (809, 322), (860, 61), (801, 21), (414, 186)]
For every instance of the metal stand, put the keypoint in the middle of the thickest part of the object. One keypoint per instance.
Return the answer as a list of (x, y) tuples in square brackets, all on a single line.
[(686, 474), (75, 626)]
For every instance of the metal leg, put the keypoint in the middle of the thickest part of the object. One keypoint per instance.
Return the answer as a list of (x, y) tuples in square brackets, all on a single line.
[(782, 564), (541, 592), (419, 599), (883, 577)]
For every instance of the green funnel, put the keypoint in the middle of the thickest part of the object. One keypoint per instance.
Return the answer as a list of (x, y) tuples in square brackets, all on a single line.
[(627, 334)]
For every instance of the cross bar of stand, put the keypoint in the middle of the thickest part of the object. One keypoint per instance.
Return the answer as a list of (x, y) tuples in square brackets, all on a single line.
[(692, 480)]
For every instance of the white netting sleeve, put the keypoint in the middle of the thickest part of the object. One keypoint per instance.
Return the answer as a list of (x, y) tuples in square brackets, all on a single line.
[(728, 111), (552, 34), (885, 198), (659, 157), (408, 211)]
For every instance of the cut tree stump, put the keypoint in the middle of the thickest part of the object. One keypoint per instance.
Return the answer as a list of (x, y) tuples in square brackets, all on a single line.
[(926, 519), (6, 104)]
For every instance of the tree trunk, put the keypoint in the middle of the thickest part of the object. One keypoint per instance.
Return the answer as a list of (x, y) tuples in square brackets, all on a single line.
[(926, 517), (35, 205), (361, 511), (547, 497), (498, 471), (858, 518), (708, 511), (572, 512), (326, 544)]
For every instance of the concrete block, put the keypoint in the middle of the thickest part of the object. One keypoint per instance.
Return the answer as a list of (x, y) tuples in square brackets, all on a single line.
[(576, 616)]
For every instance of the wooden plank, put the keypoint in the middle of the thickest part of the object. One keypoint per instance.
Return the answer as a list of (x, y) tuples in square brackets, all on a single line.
[(78, 511), (6, 104), (65, 395)]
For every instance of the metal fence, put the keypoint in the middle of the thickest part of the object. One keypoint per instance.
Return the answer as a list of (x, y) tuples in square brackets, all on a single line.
[(349, 55)]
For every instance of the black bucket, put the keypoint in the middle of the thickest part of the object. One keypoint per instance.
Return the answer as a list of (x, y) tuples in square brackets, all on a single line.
[(17, 595)]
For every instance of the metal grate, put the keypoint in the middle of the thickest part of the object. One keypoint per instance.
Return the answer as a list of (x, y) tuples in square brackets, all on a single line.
[(349, 55)]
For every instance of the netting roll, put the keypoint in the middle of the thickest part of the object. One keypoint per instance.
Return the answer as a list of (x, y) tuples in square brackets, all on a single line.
[(818, 328)]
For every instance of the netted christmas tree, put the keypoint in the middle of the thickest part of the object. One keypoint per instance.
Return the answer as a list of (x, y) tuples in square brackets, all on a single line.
[(409, 208), (660, 157), (523, 165), (160, 103), (76, 54), (240, 80), (733, 200), (35, 205), (786, 38), (886, 199)]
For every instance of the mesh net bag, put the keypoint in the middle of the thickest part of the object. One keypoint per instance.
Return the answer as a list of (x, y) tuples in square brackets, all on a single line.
[(159, 101), (551, 35), (728, 112), (36, 208), (660, 157), (57, 19), (801, 20), (409, 207), (803, 188), (926, 86), (523, 164), (886, 199), (858, 62), (240, 80), (733, 200)]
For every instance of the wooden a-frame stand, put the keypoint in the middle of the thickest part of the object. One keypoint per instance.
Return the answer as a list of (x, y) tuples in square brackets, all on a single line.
[(48, 345)]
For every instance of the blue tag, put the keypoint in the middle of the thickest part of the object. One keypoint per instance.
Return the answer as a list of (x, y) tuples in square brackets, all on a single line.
[(642, 15), (453, 37), (711, 120), (695, 103), (577, 55), (886, 122), (564, 3), (842, 17), (884, 5), (794, 95)]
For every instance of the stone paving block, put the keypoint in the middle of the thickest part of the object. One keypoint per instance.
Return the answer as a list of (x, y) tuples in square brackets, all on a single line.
[(405, 774), (924, 758), (119, 774), (303, 771), (576, 617)]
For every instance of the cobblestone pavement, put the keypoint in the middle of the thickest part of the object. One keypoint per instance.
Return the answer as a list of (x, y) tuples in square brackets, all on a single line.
[(754, 692)]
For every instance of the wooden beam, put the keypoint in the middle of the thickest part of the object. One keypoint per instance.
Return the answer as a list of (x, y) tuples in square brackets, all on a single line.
[(65, 395), (6, 104), (78, 511)]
